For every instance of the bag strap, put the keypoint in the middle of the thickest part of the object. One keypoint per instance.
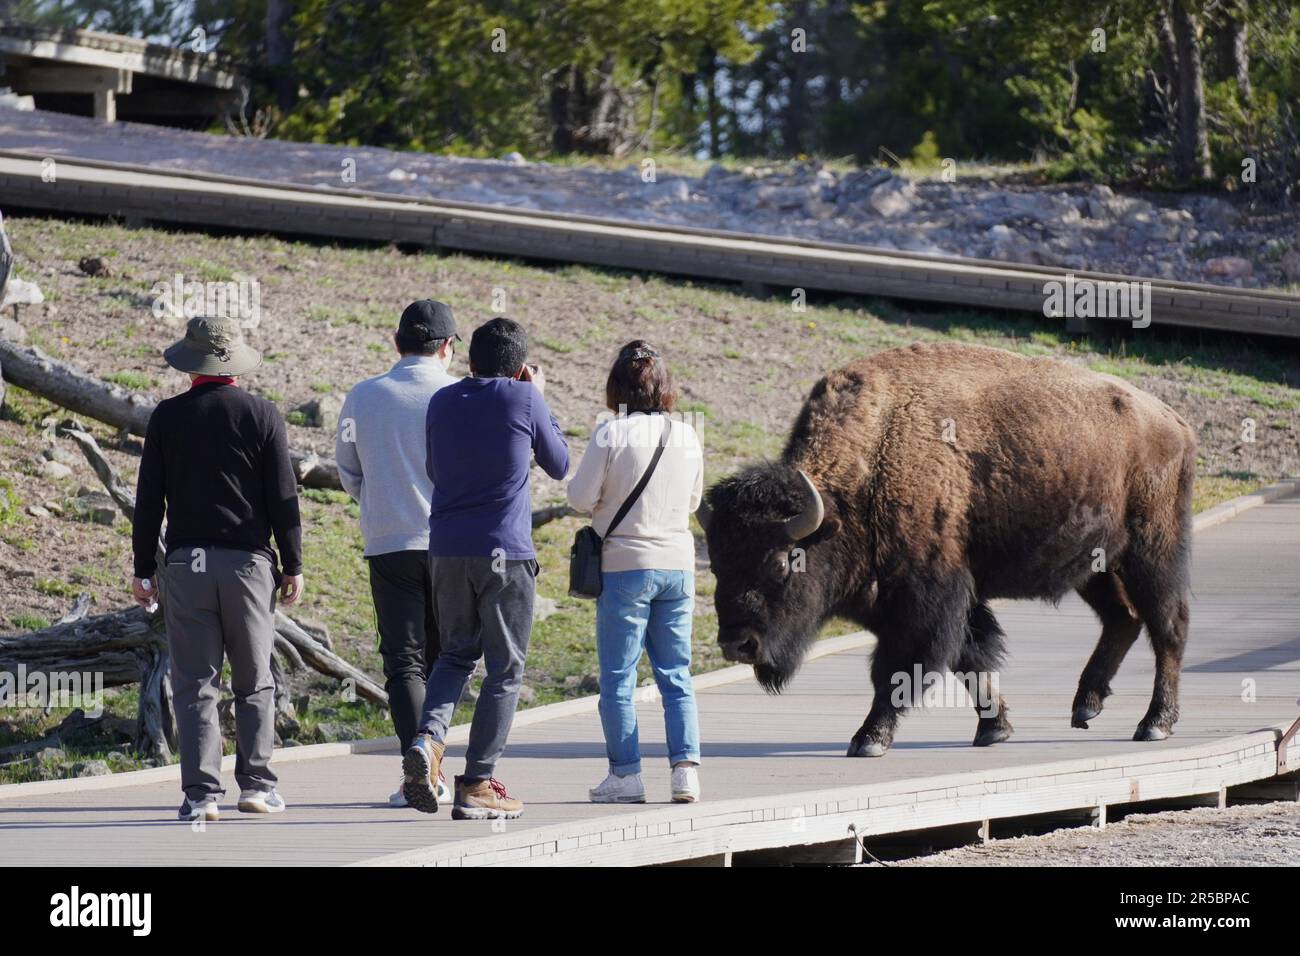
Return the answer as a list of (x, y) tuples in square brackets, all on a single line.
[(645, 479)]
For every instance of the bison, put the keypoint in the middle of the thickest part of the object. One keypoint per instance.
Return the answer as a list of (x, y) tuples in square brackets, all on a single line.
[(919, 484)]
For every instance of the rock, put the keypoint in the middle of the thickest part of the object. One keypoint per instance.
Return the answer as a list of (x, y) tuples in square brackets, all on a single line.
[(590, 684), (1217, 213), (54, 470), (470, 695), (515, 159), (544, 607), (13, 331), (321, 412), (679, 191), (95, 506), (401, 175), (58, 453), (118, 760), (1228, 267), (50, 755), (36, 511), (91, 768), (893, 197), (95, 266), (1290, 263), (21, 292), (527, 694), (333, 731), (715, 172)]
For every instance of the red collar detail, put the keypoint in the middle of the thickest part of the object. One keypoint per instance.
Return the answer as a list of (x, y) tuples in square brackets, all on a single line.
[(209, 379)]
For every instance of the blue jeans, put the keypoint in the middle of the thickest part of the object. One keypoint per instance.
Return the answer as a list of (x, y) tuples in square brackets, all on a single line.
[(648, 610)]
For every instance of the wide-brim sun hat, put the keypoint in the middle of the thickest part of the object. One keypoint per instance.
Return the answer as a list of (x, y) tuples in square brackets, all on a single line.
[(213, 345)]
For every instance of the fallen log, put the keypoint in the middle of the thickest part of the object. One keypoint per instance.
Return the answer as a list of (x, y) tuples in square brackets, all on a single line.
[(316, 656), (30, 368), (106, 644)]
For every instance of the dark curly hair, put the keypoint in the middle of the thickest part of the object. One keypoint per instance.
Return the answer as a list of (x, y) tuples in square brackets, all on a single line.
[(640, 380)]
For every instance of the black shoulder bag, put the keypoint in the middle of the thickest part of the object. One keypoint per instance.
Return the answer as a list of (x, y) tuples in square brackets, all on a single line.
[(584, 556)]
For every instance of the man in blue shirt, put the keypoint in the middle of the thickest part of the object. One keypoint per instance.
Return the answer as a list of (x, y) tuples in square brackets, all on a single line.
[(488, 428)]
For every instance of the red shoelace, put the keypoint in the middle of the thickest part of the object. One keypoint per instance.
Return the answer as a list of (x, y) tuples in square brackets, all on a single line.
[(498, 788)]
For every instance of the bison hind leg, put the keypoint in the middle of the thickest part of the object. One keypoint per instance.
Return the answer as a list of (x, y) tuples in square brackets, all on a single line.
[(1120, 626), (977, 664)]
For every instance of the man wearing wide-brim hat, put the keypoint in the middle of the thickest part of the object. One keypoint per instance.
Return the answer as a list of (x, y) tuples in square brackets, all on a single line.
[(216, 463)]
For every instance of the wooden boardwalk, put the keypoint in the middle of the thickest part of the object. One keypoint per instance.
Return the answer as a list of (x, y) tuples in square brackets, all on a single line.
[(204, 199), (773, 773)]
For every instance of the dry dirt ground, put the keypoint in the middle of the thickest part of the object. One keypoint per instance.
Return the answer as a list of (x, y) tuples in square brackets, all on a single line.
[(1250, 835), (743, 365)]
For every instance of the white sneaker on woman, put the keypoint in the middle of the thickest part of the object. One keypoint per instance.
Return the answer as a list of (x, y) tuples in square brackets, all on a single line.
[(686, 784), (616, 789)]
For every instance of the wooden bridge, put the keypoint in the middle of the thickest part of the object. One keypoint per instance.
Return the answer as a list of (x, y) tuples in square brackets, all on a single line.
[(776, 783)]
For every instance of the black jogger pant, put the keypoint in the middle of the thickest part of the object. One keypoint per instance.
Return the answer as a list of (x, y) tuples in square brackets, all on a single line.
[(408, 634)]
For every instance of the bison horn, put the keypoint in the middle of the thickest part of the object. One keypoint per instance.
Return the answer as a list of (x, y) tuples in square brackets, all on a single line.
[(811, 512), (704, 514)]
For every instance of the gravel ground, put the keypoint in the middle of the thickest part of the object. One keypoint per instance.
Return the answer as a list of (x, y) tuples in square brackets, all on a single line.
[(1248, 835), (1084, 227)]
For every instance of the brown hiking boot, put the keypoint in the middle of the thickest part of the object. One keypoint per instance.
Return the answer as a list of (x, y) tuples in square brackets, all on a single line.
[(484, 800), (422, 764)]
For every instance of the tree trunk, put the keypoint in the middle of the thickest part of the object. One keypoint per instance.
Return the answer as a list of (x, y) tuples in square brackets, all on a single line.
[(795, 114), (1234, 56), (279, 53), (710, 73), (1192, 146), (560, 110)]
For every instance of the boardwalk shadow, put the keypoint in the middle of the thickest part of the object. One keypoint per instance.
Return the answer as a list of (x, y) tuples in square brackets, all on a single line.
[(1261, 658)]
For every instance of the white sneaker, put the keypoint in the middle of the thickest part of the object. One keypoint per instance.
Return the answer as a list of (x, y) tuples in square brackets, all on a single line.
[(398, 799), (616, 789), (686, 784), (206, 809), (260, 801)]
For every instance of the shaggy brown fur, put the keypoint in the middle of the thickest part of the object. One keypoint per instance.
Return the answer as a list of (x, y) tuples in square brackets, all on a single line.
[(952, 475)]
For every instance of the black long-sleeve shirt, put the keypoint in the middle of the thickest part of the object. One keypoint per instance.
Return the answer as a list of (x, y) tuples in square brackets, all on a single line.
[(216, 460)]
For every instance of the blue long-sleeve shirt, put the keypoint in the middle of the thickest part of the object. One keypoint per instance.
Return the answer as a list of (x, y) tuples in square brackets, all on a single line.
[(481, 435)]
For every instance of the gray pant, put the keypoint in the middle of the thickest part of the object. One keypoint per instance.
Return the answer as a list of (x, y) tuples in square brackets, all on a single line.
[(215, 601), (487, 613)]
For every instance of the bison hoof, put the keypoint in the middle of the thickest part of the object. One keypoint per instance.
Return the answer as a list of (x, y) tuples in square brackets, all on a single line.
[(1151, 732), (867, 748), (1082, 715), (988, 736), (1084, 711)]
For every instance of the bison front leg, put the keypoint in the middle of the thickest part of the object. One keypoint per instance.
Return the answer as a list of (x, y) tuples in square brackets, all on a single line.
[(919, 627), (876, 734)]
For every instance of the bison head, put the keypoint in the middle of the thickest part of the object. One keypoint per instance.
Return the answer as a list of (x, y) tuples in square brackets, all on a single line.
[(773, 589)]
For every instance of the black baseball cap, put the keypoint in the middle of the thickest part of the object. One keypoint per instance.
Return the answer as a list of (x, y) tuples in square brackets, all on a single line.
[(428, 321)]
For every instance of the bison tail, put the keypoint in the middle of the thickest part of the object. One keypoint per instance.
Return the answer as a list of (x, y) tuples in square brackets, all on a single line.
[(985, 646)]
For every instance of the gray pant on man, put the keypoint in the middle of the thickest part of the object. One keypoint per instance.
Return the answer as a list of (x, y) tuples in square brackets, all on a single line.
[(215, 601), (484, 608)]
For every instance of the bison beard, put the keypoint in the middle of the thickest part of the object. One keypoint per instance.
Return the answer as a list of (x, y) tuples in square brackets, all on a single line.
[(920, 484)]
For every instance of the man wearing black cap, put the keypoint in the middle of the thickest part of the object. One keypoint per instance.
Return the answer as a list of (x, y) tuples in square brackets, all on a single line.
[(380, 447)]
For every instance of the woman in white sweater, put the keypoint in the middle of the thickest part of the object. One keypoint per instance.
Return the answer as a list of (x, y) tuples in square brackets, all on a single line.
[(647, 568)]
